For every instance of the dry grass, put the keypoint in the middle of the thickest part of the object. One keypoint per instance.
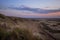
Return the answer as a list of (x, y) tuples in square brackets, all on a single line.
[(14, 28), (16, 34)]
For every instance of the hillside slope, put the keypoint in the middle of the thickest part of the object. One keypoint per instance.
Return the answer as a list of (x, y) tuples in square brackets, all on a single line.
[(33, 29)]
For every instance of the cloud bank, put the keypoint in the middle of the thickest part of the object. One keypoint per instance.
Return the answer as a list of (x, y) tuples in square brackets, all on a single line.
[(28, 14)]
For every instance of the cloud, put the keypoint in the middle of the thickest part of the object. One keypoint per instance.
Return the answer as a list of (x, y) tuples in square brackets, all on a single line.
[(52, 7), (28, 14), (37, 10)]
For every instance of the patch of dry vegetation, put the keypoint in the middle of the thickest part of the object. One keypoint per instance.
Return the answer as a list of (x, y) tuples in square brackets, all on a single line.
[(12, 28), (15, 28), (16, 34)]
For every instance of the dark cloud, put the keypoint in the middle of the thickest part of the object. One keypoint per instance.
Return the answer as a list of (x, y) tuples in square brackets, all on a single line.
[(36, 10)]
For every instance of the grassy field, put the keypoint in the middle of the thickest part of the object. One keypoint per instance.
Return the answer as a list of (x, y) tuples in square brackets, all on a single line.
[(15, 28)]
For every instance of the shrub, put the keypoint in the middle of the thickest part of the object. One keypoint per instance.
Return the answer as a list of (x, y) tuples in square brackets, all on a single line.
[(2, 16)]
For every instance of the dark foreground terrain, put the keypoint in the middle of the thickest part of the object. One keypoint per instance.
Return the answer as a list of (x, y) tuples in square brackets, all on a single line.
[(15, 28)]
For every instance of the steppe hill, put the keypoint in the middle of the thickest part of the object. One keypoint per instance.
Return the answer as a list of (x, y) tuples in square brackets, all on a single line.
[(16, 28)]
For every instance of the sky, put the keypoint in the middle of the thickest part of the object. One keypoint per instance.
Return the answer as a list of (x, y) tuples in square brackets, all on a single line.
[(43, 4), (51, 4)]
